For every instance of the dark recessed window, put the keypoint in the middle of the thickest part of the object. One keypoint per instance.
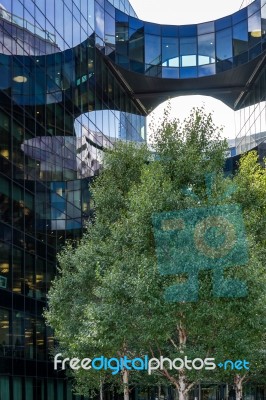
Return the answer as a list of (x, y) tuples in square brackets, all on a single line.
[(152, 49), (189, 72), (239, 16), (152, 29), (188, 30), (223, 23), (172, 73), (224, 44), (169, 30)]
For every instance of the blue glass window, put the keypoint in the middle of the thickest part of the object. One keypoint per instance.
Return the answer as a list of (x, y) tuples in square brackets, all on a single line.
[(5, 71), (99, 20), (135, 23), (240, 37), (136, 45), (76, 12), (223, 23), (188, 51), (17, 9), (153, 29), (189, 72), (84, 9), (169, 30), (263, 12), (170, 52), (121, 40), (108, 7), (263, 22), (224, 44), (120, 17), (152, 49), (188, 30), (205, 70), (137, 66), (239, 16), (253, 7), (172, 73), (59, 20), (207, 27), (91, 13), (224, 65), (206, 49), (109, 29), (254, 29)]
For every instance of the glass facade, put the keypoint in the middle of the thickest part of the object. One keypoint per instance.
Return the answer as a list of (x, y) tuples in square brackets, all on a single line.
[(67, 75), (251, 118), (61, 104), (190, 51)]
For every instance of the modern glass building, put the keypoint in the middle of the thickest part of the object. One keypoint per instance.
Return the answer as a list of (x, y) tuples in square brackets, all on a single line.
[(75, 76)]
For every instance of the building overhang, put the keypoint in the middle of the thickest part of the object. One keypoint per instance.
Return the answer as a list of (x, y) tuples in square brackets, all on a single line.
[(226, 86)]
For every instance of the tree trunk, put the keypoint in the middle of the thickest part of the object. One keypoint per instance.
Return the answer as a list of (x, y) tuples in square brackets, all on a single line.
[(159, 392), (182, 384), (182, 387), (226, 392), (101, 390), (125, 384), (238, 387)]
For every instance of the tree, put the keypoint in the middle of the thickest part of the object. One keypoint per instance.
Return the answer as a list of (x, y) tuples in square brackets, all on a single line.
[(251, 188), (73, 299), (126, 304)]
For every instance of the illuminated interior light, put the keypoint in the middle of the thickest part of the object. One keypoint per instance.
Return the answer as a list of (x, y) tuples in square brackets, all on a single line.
[(4, 265), (20, 79), (256, 34), (5, 153)]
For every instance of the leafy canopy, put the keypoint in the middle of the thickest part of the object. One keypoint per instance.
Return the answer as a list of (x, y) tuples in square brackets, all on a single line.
[(108, 297)]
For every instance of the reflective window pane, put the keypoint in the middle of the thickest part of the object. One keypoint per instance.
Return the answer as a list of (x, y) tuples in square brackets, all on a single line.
[(254, 29), (206, 49), (240, 38), (224, 44), (152, 49), (206, 27), (188, 51), (170, 52)]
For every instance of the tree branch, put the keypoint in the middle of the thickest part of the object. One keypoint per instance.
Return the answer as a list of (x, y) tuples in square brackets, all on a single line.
[(190, 386), (174, 344), (171, 378)]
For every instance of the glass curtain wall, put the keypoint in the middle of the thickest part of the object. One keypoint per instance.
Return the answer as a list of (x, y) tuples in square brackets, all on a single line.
[(61, 104), (63, 99), (251, 118), (191, 51)]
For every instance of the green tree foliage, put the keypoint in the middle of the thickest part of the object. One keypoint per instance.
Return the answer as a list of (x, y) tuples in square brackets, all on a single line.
[(108, 297)]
